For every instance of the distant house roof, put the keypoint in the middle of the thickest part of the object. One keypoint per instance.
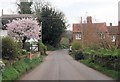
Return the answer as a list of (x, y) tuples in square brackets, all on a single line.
[(113, 30), (99, 27), (77, 28), (16, 15)]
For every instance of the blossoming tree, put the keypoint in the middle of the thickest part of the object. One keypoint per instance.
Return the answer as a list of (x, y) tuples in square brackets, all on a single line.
[(24, 29)]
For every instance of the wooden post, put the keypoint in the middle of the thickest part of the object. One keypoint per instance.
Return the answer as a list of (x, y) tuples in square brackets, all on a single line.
[(30, 56)]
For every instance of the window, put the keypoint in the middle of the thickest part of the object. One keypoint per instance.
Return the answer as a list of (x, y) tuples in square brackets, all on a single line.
[(78, 36), (102, 36), (113, 38)]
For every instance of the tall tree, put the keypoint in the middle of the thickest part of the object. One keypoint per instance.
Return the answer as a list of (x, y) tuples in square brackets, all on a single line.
[(25, 7), (53, 24), (23, 29)]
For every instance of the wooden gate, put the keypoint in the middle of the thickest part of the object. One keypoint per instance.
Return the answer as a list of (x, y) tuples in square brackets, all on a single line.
[(34, 47)]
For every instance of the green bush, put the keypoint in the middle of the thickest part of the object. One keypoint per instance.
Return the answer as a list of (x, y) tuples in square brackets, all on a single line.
[(10, 48), (27, 46), (64, 46), (23, 52), (42, 48), (116, 53), (50, 48), (106, 57), (76, 45), (104, 52)]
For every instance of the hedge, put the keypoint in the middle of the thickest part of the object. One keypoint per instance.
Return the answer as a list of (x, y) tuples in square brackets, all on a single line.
[(104, 57), (104, 60)]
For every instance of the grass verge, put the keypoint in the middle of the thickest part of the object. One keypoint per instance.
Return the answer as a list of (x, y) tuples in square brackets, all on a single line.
[(112, 73), (14, 71)]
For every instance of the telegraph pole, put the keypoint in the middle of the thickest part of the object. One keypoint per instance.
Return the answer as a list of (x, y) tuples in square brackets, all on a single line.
[(41, 31), (119, 24)]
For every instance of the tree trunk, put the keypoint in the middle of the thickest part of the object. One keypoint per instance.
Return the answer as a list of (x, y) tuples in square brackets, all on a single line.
[(23, 41)]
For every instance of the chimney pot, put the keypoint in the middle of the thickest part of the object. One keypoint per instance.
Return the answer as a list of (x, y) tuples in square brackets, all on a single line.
[(2, 12), (110, 24), (118, 23), (89, 19)]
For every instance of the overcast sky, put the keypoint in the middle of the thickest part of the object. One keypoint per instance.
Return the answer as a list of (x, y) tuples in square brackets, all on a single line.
[(100, 10)]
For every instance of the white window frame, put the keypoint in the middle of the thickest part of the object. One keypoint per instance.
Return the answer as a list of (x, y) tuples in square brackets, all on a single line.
[(102, 36), (113, 38), (78, 36)]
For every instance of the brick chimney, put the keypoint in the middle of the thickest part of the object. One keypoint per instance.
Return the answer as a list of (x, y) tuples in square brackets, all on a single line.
[(89, 19), (110, 24), (2, 12)]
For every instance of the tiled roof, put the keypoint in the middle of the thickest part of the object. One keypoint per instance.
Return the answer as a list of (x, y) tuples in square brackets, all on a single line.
[(113, 30), (100, 27), (17, 15), (77, 28)]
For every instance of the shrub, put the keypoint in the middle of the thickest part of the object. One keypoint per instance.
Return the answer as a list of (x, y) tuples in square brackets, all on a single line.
[(10, 48), (23, 52), (104, 52), (42, 48), (27, 46), (50, 48), (2, 65), (64, 46), (76, 45), (87, 51), (78, 55), (106, 57), (116, 53)]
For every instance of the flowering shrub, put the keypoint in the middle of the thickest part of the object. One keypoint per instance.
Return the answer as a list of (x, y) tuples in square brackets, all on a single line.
[(24, 29), (2, 65)]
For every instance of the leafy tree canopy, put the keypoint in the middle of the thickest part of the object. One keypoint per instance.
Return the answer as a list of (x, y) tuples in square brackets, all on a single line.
[(25, 7), (53, 24)]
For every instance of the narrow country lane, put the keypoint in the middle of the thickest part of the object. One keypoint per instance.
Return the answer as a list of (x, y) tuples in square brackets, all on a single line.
[(58, 65)]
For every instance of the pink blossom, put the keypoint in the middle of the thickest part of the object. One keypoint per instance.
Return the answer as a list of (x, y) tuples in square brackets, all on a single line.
[(28, 27)]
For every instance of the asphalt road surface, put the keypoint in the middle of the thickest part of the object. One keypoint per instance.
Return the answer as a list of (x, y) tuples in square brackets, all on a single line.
[(58, 65)]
